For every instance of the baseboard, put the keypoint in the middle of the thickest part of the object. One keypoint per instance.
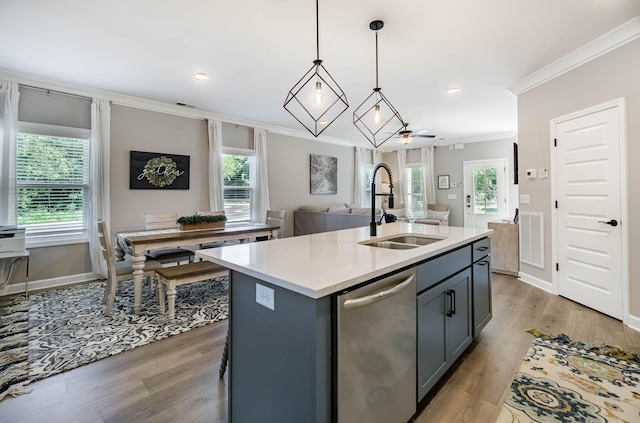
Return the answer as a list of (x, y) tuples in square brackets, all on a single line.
[(634, 323), (538, 283), (19, 288)]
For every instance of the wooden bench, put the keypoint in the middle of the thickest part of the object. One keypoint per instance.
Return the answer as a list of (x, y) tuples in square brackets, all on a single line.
[(171, 277)]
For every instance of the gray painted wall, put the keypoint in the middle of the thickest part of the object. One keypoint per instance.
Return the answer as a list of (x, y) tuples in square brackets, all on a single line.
[(143, 130), (450, 162), (609, 77)]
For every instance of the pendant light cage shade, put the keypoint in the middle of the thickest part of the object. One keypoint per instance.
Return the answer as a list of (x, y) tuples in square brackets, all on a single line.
[(376, 113), (313, 110), (389, 120)]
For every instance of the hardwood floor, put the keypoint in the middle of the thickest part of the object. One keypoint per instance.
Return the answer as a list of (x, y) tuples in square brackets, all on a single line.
[(176, 379)]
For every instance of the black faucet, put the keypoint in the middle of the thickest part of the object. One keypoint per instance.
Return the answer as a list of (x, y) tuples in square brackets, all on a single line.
[(373, 225)]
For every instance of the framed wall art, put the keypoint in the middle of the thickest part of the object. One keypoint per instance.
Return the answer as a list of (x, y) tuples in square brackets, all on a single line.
[(324, 174), (158, 171)]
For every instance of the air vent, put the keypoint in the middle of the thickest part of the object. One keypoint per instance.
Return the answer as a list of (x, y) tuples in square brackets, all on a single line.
[(532, 238), (188, 106)]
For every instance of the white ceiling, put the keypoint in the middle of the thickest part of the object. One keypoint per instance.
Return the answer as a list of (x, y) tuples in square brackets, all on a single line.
[(255, 50)]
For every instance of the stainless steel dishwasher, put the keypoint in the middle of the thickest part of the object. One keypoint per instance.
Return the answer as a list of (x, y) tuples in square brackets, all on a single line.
[(376, 351)]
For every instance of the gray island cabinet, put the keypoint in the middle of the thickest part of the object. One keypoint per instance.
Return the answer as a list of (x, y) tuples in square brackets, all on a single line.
[(283, 325)]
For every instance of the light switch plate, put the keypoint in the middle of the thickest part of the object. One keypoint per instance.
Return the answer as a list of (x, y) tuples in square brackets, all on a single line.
[(524, 198), (544, 173), (452, 196), (265, 296)]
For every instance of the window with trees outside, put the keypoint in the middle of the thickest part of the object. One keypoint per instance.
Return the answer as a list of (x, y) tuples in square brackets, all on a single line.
[(485, 191), (52, 181), (238, 184), (415, 206)]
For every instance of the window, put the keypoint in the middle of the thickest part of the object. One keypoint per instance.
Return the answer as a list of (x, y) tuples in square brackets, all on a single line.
[(413, 184), (237, 170), (368, 171), (52, 182), (485, 187)]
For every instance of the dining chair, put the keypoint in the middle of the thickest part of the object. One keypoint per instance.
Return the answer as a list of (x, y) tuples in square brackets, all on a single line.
[(118, 270), (212, 244), (166, 255), (274, 217)]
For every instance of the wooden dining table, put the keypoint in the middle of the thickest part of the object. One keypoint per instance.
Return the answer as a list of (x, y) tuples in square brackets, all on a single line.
[(137, 243)]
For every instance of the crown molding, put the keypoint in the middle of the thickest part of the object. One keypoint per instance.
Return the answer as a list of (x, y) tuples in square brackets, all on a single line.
[(156, 106), (607, 42)]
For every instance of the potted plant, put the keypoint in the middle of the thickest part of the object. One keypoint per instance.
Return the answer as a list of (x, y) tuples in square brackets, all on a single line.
[(201, 221)]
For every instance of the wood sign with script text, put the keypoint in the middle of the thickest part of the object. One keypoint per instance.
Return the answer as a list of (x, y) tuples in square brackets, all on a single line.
[(158, 171)]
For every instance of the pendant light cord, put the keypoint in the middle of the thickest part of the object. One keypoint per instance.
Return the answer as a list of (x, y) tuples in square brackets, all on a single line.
[(317, 32), (377, 86)]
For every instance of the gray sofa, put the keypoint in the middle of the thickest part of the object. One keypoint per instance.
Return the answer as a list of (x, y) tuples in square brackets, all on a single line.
[(315, 219)]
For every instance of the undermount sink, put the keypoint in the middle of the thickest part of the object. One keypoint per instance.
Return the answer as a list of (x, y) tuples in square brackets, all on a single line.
[(404, 242), (415, 240), (390, 245)]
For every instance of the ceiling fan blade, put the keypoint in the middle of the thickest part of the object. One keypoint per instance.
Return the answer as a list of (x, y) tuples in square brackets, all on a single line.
[(424, 136)]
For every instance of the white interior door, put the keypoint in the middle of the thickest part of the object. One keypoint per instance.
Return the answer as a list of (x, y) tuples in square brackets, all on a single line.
[(485, 192), (588, 216)]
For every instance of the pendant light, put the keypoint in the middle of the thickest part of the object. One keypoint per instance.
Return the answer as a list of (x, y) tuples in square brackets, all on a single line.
[(376, 112), (316, 100)]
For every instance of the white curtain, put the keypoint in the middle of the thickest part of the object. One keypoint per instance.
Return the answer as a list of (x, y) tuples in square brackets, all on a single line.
[(401, 191), (428, 178), (100, 205), (216, 198), (360, 179), (9, 96), (260, 200)]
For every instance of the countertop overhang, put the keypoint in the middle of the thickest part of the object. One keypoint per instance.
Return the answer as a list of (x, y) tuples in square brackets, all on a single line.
[(325, 263)]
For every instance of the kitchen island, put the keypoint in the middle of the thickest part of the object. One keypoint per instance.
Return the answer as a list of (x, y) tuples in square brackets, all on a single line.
[(284, 340)]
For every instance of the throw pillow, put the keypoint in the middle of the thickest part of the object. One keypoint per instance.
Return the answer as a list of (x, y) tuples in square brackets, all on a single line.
[(342, 209), (314, 208), (437, 215)]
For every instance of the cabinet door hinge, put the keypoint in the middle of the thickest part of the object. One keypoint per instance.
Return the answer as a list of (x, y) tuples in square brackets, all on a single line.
[(556, 204), (557, 267), (555, 142)]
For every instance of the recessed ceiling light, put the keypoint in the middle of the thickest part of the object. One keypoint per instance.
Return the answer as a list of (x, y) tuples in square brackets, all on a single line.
[(453, 90), (201, 76), (323, 122)]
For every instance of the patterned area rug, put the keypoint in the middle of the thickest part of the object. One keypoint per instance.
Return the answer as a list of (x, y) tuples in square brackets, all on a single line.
[(571, 381), (68, 328), (14, 331)]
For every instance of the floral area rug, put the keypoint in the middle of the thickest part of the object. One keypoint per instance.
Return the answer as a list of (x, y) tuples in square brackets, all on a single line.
[(14, 332), (68, 328), (572, 381)]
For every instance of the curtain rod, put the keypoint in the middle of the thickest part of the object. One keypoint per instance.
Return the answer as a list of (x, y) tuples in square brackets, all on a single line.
[(237, 125), (49, 91)]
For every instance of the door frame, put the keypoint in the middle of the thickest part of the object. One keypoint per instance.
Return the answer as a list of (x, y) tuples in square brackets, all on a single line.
[(624, 271), (464, 183)]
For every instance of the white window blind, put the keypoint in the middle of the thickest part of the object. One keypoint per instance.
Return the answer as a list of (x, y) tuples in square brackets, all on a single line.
[(52, 181)]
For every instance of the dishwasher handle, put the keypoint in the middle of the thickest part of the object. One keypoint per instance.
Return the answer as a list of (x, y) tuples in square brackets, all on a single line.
[(378, 296)]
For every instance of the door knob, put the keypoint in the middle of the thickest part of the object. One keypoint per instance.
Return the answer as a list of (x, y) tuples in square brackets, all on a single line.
[(611, 222)]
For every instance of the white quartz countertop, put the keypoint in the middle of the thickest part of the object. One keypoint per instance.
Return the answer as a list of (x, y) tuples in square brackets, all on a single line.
[(321, 264)]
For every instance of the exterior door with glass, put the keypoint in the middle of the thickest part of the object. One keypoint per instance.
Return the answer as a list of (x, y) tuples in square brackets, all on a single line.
[(485, 192)]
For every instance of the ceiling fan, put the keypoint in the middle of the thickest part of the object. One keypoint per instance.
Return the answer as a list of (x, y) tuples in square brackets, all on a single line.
[(406, 135)]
